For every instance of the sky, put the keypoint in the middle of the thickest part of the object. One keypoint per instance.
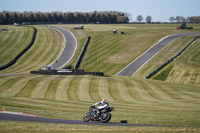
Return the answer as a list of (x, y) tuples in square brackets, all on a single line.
[(159, 10)]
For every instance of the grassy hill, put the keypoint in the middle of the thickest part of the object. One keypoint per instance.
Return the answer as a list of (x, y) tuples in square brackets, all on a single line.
[(185, 69), (13, 39), (135, 99), (109, 53), (46, 48)]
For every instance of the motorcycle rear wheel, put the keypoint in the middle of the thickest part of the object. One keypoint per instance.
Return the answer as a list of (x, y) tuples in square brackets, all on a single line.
[(106, 118)]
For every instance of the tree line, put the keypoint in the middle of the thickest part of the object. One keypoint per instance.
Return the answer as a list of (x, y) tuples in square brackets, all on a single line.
[(106, 17), (179, 19), (140, 18)]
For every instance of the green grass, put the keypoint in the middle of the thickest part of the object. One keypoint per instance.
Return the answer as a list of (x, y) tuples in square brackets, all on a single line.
[(46, 48), (185, 69), (13, 39), (20, 127), (135, 99), (164, 73), (110, 53)]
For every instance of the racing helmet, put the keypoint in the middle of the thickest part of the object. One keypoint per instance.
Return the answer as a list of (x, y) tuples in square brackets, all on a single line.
[(104, 100)]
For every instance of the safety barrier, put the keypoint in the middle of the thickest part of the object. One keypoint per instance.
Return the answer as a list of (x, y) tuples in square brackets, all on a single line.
[(169, 61), (73, 72), (77, 64), (13, 61), (76, 71)]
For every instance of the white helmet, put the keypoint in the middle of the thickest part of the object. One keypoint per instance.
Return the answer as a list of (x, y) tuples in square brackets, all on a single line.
[(104, 100)]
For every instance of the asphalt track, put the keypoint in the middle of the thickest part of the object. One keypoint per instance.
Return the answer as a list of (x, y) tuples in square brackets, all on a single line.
[(68, 51), (135, 65), (23, 118)]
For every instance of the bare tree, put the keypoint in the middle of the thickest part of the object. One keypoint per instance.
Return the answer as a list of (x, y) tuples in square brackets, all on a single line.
[(139, 18), (194, 19), (172, 19), (128, 15), (180, 19), (148, 19)]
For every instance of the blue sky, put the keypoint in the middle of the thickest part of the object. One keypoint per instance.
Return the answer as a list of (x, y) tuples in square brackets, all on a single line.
[(160, 10)]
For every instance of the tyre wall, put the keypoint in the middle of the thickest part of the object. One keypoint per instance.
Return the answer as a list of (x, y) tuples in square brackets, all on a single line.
[(74, 72), (170, 60), (21, 53), (78, 62)]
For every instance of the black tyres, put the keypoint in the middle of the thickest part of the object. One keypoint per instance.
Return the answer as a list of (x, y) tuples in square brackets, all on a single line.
[(86, 118), (106, 118)]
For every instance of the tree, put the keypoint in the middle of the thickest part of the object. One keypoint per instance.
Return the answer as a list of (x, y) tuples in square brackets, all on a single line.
[(172, 19), (139, 18), (69, 17), (148, 19), (180, 19), (194, 19), (129, 16), (122, 19)]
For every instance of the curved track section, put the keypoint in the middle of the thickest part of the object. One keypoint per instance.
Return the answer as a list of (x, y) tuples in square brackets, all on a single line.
[(134, 66), (69, 49), (27, 118)]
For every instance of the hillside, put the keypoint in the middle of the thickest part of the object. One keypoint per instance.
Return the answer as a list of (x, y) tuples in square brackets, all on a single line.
[(185, 69), (135, 99), (46, 48), (109, 53), (69, 97), (12, 41)]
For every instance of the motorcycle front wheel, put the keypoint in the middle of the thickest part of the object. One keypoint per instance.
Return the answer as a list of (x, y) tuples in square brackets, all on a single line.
[(106, 117), (86, 118)]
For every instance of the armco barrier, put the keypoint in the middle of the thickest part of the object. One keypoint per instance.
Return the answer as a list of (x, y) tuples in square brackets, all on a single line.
[(78, 62), (169, 61), (73, 72), (21, 53)]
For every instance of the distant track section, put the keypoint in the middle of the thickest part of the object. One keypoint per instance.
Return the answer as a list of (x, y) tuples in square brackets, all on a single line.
[(170, 60), (69, 49), (135, 65), (13, 61)]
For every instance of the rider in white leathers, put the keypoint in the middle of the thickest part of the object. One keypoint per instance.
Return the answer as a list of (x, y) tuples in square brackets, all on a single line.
[(103, 103)]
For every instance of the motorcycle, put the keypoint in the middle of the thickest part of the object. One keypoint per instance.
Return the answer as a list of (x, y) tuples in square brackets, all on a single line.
[(104, 116)]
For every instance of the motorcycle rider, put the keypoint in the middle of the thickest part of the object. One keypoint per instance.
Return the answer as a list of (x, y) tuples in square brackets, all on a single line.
[(104, 104)]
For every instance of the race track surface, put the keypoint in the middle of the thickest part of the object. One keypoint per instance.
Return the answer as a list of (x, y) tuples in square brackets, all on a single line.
[(22, 118), (68, 51), (134, 66)]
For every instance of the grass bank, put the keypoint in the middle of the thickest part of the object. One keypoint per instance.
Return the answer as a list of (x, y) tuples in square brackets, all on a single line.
[(185, 69), (135, 99), (109, 53), (69, 97), (13, 39), (20, 127), (46, 48)]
